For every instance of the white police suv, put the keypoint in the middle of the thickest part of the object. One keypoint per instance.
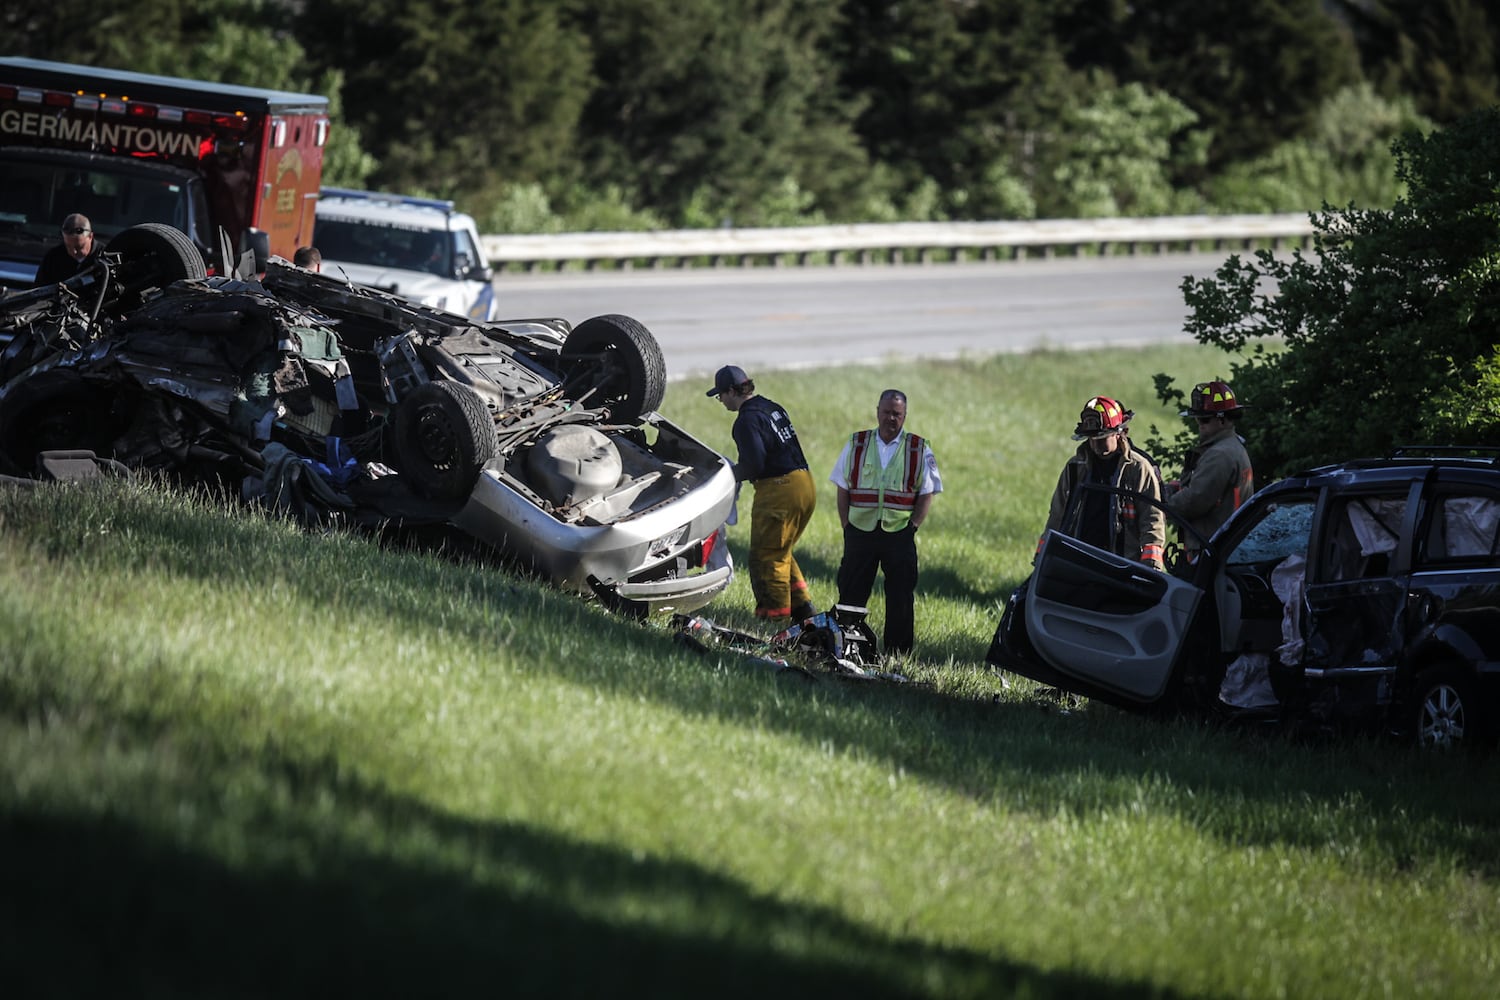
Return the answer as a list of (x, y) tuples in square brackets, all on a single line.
[(418, 248)]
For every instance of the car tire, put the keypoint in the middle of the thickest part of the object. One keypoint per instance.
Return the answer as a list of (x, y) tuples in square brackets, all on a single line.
[(631, 372), (157, 254), (1446, 714), (444, 435)]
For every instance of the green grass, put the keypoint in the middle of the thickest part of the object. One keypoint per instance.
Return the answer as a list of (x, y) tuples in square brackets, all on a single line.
[(237, 759), (1001, 428)]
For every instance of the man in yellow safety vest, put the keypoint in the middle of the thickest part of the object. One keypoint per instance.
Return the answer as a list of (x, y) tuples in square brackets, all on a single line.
[(886, 478)]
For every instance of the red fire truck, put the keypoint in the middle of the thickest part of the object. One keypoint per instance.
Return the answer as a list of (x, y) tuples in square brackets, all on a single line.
[(220, 162)]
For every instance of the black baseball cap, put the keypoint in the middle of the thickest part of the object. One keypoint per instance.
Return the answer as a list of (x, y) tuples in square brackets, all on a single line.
[(727, 378)]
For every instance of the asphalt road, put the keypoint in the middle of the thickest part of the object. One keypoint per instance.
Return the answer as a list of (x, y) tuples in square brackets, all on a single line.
[(765, 318)]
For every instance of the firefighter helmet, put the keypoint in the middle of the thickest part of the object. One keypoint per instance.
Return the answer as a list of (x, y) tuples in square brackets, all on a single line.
[(1101, 415), (1209, 399)]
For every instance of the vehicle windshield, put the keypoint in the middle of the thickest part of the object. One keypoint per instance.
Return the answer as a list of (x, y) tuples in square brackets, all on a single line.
[(385, 244), (1282, 531), (35, 196)]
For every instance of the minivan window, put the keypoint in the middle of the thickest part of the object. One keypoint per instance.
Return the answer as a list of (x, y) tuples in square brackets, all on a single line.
[(1464, 527), (1362, 535)]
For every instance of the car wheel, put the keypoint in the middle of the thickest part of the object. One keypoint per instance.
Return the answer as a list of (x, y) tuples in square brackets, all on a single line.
[(622, 359), (444, 435), (1447, 712), (156, 254)]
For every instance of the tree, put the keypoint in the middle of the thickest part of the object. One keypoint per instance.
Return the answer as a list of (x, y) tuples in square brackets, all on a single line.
[(1117, 155), (456, 98), (963, 94), (1440, 52), (245, 42), (1387, 332), (1255, 73), (718, 106), (1345, 159)]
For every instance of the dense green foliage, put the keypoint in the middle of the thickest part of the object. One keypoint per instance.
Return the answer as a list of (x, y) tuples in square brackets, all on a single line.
[(1388, 327), (1255, 74), (239, 760), (1442, 53), (541, 115)]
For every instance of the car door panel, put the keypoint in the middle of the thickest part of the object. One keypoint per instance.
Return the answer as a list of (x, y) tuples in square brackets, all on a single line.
[(1107, 620), (1356, 624)]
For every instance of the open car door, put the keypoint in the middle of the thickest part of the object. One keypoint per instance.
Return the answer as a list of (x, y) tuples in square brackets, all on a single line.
[(1112, 624)]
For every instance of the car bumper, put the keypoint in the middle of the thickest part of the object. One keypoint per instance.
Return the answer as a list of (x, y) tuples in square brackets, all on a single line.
[(677, 595), (639, 560)]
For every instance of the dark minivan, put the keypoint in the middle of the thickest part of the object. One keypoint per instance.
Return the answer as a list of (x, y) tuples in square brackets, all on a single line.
[(1365, 593)]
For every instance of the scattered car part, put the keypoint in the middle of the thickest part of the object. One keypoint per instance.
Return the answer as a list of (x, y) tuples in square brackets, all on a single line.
[(837, 643)]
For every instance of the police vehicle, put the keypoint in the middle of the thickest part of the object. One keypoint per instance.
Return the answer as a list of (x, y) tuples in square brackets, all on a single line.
[(418, 248)]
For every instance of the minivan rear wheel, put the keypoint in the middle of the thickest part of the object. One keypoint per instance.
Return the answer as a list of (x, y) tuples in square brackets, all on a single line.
[(1447, 712)]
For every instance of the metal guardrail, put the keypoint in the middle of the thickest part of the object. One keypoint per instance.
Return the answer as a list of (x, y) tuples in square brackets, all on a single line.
[(903, 242)]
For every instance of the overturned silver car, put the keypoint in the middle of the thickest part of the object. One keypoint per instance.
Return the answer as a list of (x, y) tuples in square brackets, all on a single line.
[(336, 402)]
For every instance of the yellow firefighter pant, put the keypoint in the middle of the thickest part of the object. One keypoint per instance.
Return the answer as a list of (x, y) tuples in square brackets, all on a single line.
[(783, 506)]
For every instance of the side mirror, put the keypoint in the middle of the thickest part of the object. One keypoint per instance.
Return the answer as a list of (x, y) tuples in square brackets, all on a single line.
[(470, 271)]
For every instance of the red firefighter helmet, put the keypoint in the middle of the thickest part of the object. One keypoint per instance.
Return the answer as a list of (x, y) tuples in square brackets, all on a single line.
[(1101, 415), (1209, 399)]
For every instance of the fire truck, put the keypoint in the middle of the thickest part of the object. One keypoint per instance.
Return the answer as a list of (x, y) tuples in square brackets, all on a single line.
[(230, 166)]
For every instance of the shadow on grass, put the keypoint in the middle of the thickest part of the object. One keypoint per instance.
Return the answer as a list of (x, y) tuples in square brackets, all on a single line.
[(1220, 775), (110, 907), (942, 582), (1215, 781)]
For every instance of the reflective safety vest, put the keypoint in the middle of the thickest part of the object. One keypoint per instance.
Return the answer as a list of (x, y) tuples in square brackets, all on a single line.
[(883, 496)]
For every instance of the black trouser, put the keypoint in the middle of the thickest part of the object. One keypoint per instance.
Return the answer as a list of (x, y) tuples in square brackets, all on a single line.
[(895, 553)]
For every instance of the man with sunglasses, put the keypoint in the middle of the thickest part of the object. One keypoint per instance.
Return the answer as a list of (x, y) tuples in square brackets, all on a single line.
[(75, 254), (1217, 477)]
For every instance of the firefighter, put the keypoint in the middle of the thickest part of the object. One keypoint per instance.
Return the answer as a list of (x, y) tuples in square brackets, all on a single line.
[(1217, 477), (771, 460), (886, 478), (1112, 521)]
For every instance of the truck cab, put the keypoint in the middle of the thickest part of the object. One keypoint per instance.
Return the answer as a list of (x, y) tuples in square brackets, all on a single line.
[(217, 161)]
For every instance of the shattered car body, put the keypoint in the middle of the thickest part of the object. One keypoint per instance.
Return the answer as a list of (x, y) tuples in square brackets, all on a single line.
[(1365, 594), (334, 401)]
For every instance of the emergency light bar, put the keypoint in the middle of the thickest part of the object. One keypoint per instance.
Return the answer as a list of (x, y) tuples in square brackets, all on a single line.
[(80, 101)]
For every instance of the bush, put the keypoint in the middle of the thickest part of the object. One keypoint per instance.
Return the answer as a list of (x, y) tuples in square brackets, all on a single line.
[(1389, 325)]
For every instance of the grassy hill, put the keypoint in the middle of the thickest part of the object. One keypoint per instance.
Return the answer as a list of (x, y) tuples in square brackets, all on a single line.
[(237, 759)]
